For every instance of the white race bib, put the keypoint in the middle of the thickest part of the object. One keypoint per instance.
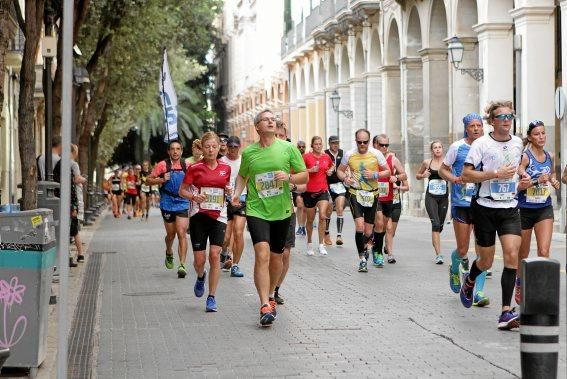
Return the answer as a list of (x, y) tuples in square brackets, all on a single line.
[(538, 194), (116, 187), (267, 185), (397, 197), (365, 198), (337, 188), (214, 200), (437, 187), (470, 190), (383, 189), (503, 189), (145, 188)]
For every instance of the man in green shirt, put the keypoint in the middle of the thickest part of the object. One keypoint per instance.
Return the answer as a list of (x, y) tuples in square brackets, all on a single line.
[(266, 171)]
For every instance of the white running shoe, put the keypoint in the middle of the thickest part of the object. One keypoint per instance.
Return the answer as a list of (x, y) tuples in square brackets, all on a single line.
[(310, 249), (322, 249)]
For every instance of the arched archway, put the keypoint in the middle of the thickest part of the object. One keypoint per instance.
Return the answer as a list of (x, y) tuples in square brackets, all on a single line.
[(391, 88), (393, 44), (374, 52), (301, 84), (467, 16), (413, 43), (438, 25), (332, 71), (344, 66), (292, 88), (321, 84), (358, 59)]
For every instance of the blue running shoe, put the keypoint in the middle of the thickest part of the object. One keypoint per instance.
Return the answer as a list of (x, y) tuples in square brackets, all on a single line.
[(199, 288), (454, 280), (362, 266), (466, 292), (235, 272), (509, 320), (480, 300), (211, 304), (379, 261)]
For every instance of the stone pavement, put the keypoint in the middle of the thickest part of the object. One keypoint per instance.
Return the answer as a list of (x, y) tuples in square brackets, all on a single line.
[(398, 321)]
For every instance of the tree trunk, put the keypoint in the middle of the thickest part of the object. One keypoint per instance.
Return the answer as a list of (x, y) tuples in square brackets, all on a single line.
[(4, 40), (26, 113), (96, 143)]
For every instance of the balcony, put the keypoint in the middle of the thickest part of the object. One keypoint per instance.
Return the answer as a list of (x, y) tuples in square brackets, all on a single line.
[(15, 52), (313, 21), (299, 33), (327, 10), (340, 5)]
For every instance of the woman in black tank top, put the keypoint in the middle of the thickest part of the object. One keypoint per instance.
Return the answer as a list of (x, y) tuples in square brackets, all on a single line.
[(436, 195)]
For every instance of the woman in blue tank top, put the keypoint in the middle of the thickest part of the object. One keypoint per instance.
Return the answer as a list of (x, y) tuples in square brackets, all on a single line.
[(534, 201)]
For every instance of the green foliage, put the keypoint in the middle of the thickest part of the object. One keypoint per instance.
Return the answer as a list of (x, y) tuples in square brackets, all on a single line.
[(133, 61)]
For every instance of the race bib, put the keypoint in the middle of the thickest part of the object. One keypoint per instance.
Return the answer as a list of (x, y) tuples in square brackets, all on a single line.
[(337, 188), (383, 189), (538, 194), (502, 189), (267, 185), (470, 191), (131, 185), (397, 197), (365, 198), (215, 198), (145, 188), (437, 187), (116, 187)]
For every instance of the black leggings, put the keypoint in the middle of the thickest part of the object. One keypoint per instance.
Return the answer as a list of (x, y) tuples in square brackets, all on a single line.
[(436, 207)]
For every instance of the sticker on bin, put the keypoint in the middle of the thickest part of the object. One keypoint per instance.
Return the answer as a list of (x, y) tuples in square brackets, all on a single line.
[(502, 189), (36, 221)]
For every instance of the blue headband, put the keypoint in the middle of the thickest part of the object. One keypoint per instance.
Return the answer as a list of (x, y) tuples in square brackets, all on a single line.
[(468, 119)]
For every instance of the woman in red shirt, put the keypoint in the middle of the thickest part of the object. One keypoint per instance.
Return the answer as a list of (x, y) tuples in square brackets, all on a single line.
[(131, 192), (206, 184), (319, 166)]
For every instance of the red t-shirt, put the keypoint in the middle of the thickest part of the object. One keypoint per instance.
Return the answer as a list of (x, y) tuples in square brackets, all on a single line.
[(390, 189), (212, 183), (317, 180), (131, 181)]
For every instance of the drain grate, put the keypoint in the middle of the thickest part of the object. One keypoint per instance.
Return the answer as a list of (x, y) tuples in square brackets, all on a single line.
[(149, 293), (79, 361)]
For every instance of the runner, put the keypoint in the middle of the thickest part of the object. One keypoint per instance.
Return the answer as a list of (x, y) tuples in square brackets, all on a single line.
[(298, 200), (281, 133), (337, 190), (461, 195), (316, 197), (495, 209), (206, 184), (174, 209), (399, 188), (234, 236), (265, 168), (366, 165), (116, 189), (196, 151), (564, 176), (536, 210), (436, 195), (145, 190), (223, 149), (131, 192), (385, 205)]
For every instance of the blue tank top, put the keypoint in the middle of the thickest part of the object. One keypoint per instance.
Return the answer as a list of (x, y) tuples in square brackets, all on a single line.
[(169, 199), (538, 196), (461, 194)]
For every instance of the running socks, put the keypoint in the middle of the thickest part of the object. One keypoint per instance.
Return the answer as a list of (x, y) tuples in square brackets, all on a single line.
[(378, 241), (360, 242), (327, 222), (455, 262), (475, 271), (276, 291), (479, 284), (507, 281), (340, 222)]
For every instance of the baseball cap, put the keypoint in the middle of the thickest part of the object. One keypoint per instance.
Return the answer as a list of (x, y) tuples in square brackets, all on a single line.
[(233, 141), (223, 136), (334, 139)]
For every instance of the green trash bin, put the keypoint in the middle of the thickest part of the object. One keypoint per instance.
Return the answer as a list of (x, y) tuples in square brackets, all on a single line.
[(27, 257)]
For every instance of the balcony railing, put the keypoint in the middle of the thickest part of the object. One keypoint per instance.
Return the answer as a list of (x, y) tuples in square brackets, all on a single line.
[(17, 43), (299, 33), (313, 20), (327, 10)]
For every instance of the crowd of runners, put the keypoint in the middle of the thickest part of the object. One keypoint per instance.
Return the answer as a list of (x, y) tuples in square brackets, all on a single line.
[(498, 184)]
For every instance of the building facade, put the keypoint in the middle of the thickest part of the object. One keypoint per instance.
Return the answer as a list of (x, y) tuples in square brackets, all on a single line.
[(389, 63)]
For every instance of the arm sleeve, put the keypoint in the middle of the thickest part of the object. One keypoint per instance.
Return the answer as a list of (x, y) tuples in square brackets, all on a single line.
[(380, 157), (158, 169), (451, 156), (345, 159), (244, 170)]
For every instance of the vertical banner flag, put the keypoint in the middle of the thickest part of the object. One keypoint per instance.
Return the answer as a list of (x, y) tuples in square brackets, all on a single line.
[(168, 100)]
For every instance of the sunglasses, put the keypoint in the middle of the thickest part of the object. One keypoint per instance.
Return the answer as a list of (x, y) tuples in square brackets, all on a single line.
[(503, 117), (384, 144), (363, 142)]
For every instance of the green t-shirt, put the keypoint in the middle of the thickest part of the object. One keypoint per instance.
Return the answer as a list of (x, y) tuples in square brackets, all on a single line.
[(268, 198)]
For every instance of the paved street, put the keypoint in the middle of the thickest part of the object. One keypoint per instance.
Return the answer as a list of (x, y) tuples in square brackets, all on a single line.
[(399, 321)]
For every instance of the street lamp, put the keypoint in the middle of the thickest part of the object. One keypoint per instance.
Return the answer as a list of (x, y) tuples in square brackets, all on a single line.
[(456, 52), (336, 102)]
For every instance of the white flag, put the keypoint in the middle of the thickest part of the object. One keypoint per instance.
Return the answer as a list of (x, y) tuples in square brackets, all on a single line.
[(168, 100)]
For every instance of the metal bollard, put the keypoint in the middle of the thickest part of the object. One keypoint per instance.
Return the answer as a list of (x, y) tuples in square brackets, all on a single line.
[(539, 318), (4, 354)]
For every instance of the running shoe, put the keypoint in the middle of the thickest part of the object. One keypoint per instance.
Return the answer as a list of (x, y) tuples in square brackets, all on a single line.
[(454, 280), (223, 257), (439, 259), (273, 304), (181, 271), (391, 259), (310, 251), (489, 273), (169, 261), (80, 258), (518, 291), (322, 250), (235, 272), (199, 288), (509, 320), (227, 264), (480, 300), (378, 259), (211, 304), (339, 241), (466, 292), (279, 298), (266, 316), (298, 232), (465, 265), (362, 266), (328, 241)]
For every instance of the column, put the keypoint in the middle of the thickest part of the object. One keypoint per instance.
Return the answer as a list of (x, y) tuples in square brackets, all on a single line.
[(391, 106), (293, 122), (302, 121), (358, 103), (535, 25), (435, 93), (310, 117), (496, 58), (346, 131), (320, 116), (374, 103)]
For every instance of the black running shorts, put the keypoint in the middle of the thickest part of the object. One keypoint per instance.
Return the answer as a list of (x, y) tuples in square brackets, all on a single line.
[(232, 211), (272, 232), (369, 213), (310, 199), (386, 207), (531, 216), (290, 238), (203, 228), (489, 221), (461, 215), (170, 216)]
